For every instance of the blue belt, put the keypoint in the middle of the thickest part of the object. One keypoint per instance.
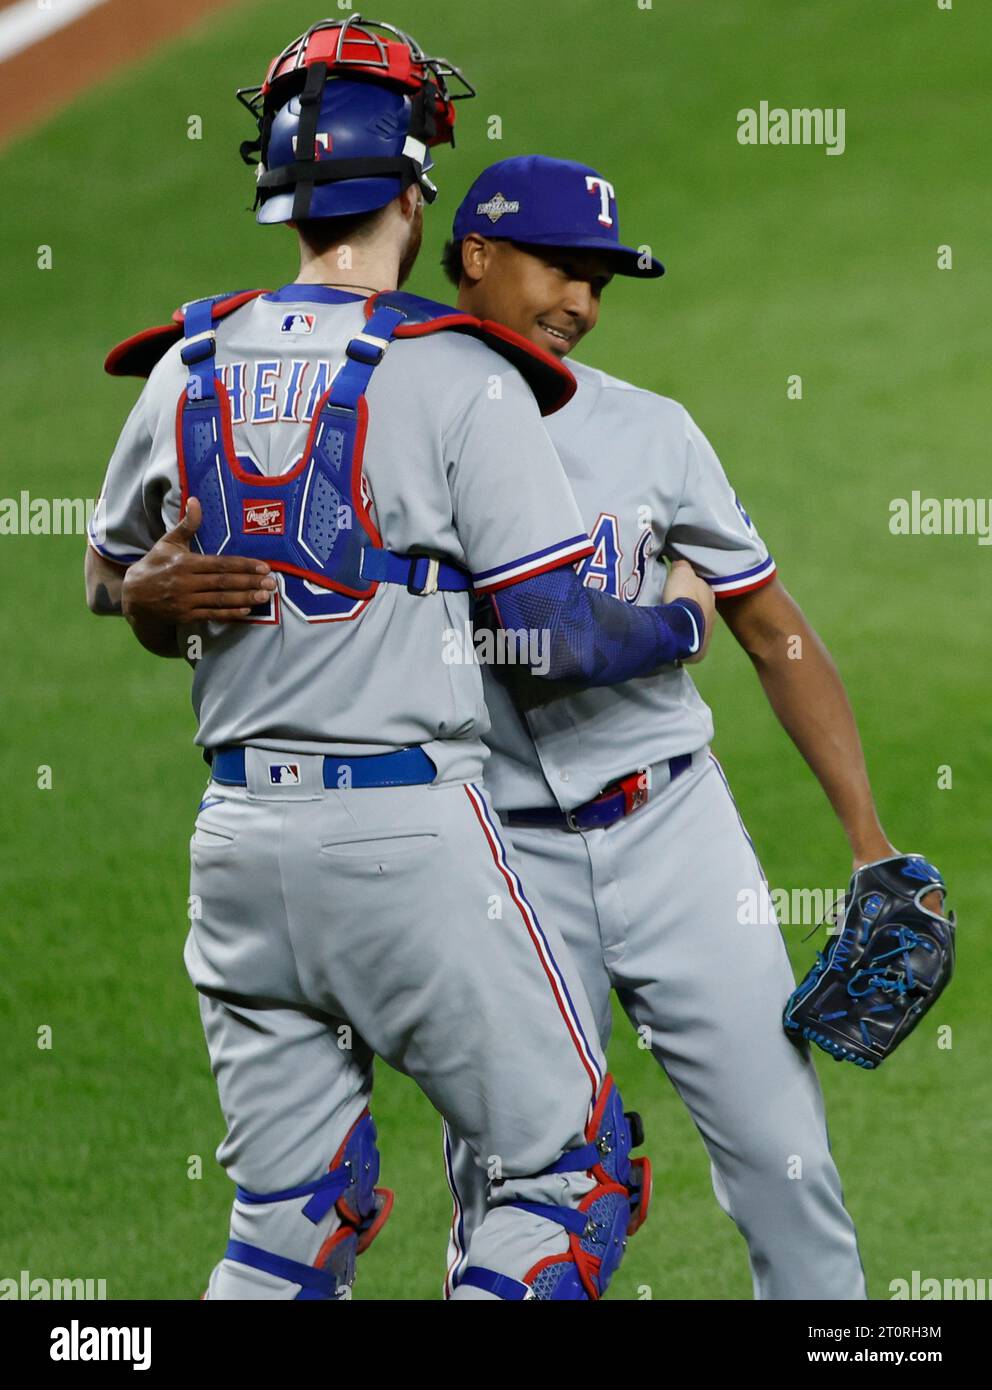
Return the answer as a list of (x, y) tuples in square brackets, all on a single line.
[(407, 767), (619, 799)]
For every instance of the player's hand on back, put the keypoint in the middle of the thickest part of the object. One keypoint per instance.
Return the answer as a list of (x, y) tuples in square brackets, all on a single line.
[(174, 585), (684, 582)]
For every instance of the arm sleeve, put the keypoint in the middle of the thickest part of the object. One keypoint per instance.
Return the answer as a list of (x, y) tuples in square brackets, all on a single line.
[(711, 529), (592, 638), (513, 507)]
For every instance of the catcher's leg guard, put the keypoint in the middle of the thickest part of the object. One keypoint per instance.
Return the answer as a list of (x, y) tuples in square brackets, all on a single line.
[(598, 1228), (360, 1208)]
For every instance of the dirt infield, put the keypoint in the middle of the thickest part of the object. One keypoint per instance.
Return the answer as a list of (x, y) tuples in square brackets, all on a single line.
[(42, 79)]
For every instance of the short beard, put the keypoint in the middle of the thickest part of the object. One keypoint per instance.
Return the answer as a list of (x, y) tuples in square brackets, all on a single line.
[(412, 250)]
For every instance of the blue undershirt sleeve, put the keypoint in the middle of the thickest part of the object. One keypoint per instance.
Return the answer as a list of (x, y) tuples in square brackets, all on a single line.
[(592, 638)]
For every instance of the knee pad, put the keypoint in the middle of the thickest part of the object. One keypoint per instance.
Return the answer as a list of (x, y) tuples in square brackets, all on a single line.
[(362, 1206), (349, 1187), (598, 1228)]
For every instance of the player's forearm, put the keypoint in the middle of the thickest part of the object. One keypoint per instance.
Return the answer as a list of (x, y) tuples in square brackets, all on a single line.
[(105, 596), (104, 582), (591, 639), (805, 690), (161, 639), (156, 634), (812, 706)]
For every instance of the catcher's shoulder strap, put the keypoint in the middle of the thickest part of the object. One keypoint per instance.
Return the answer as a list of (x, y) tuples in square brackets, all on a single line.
[(137, 355), (552, 383)]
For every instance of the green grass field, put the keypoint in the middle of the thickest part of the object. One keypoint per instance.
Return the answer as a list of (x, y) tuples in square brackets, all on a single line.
[(781, 261)]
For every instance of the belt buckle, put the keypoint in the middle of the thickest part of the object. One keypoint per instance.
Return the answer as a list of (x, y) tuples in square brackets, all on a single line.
[(636, 788), (571, 823), (430, 581), (641, 790)]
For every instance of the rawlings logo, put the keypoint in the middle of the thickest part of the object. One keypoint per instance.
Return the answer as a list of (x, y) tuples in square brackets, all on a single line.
[(496, 208), (264, 518)]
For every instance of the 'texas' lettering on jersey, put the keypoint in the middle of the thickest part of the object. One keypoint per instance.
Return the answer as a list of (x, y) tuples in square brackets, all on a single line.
[(263, 393), (601, 569)]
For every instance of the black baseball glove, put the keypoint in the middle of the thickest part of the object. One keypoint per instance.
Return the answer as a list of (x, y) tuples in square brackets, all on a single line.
[(877, 978)]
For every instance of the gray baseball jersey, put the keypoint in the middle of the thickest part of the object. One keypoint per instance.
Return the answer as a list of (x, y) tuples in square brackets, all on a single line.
[(650, 906), (457, 465), (648, 484)]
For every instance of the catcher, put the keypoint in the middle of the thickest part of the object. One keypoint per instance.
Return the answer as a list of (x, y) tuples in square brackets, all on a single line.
[(351, 891)]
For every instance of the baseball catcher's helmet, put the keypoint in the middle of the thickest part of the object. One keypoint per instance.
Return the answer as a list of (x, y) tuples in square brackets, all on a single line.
[(346, 117)]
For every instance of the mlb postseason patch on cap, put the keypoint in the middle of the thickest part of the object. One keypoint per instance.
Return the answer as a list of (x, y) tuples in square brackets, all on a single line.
[(284, 774), (298, 323), (497, 207)]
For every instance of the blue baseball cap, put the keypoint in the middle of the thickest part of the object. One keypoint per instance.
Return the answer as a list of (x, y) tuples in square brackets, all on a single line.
[(540, 201)]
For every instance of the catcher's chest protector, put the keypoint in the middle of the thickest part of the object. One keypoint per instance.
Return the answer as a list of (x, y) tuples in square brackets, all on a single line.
[(312, 521)]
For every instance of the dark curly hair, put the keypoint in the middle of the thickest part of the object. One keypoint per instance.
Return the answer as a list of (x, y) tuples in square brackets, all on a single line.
[(451, 261)]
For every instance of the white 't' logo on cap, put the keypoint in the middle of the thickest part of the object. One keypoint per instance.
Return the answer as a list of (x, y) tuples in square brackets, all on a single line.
[(606, 191)]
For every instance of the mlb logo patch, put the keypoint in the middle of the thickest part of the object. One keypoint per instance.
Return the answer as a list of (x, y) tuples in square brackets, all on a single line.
[(284, 774), (264, 518), (298, 323)]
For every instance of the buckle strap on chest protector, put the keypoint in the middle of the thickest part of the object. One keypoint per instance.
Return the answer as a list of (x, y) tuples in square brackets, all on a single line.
[(199, 350), (419, 573)]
